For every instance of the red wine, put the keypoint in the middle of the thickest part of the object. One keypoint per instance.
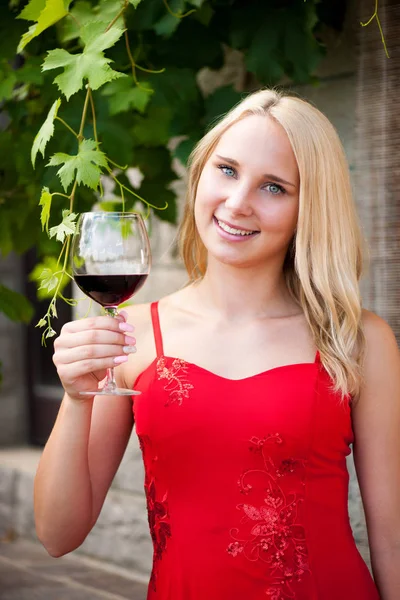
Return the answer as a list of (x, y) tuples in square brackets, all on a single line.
[(110, 290)]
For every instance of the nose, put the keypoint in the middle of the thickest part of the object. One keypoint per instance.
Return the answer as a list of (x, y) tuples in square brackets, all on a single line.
[(238, 202)]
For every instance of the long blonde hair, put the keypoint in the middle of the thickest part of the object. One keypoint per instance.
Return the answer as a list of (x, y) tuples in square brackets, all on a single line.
[(324, 261)]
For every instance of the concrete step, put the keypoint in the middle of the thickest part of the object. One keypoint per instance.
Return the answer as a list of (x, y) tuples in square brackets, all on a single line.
[(27, 572), (120, 537)]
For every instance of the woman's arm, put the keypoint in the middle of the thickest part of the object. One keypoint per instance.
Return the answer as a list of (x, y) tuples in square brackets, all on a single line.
[(376, 422), (89, 437)]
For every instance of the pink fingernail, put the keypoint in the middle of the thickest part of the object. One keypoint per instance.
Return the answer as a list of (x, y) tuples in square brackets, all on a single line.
[(130, 340), (123, 313), (120, 359), (126, 327)]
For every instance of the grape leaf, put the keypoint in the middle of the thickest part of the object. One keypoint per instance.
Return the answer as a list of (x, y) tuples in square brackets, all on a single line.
[(87, 164), (45, 202), (45, 132), (170, 22), (124, 95), (8, 80), (66, 227), (15, 306), (54, 11), (45, 274), (135, 3), (262, 57), (48, 281), (196, 3), (31, 12), (91, 64), (83, 13)]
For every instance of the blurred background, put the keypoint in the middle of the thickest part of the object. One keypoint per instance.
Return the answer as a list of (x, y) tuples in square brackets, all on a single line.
[(211, 52)]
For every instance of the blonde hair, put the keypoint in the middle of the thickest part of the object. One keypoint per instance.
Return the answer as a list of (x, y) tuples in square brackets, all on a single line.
[(324, 261)]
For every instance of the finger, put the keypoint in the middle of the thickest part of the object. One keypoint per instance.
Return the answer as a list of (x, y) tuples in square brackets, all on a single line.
[(97, 323), (80, 353), (70, 373), (93, 336)]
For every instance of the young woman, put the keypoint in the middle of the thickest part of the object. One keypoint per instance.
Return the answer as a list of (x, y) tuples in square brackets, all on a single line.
[(255, 379)]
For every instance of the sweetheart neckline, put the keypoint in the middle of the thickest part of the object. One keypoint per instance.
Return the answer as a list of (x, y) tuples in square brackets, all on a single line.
[(267, 371)]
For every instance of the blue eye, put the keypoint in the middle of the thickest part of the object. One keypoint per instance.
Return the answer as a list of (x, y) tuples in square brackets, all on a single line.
[(275, 189), (229, 171)]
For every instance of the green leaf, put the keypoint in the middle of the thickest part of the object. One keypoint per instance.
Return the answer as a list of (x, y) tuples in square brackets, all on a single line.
[(31, 71), (45, 132), (49, 281), (166, 25), (262, 58), (196, 3), (169, 22), (204, 14), (7, 84), (87, 164), (220, 102), (15, 306), (6, 240), (302, 51), (32, 10), (124, 95), (183, 150), (46, 275), (83, 13), (90, 64), (45, 202), (66, 227), (153, 128), (80, 14), (53, 11), (135, 3)]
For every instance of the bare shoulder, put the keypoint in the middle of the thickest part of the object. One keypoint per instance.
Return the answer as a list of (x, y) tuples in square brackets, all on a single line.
[(381, 342), (381, 367)]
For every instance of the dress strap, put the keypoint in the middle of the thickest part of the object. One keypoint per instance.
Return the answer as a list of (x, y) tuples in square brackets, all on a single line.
[(317, 358), (156, 329)]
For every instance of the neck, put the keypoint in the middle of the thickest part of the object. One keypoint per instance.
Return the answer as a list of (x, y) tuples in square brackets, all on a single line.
[(245, 294)]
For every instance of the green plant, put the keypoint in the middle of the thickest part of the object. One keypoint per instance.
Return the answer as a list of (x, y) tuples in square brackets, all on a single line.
[(118, 79)]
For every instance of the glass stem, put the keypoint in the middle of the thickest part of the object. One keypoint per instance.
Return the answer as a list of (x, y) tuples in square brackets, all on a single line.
[(110, 384)]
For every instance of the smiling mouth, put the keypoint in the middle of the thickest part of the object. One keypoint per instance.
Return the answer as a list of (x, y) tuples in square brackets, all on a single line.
[(233, 230)]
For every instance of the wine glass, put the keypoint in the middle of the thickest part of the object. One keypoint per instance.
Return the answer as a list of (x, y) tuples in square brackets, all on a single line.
[(111, 260)]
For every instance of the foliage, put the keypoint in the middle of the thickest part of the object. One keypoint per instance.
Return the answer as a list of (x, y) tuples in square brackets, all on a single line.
[(117, 80)]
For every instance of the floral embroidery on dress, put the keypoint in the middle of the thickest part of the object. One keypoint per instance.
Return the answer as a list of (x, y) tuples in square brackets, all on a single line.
[(157, 510), (272, 532), (177, 384)]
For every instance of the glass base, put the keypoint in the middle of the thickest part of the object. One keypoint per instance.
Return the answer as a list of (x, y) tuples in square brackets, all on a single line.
[(112, 392)]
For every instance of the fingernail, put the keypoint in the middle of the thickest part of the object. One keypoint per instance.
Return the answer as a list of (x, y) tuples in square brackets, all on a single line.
[(123, 313), (130, 340), (120, 359), (129, 349), (126, 327)]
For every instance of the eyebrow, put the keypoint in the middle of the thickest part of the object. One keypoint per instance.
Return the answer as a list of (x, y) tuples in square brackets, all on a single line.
[(235, 163)]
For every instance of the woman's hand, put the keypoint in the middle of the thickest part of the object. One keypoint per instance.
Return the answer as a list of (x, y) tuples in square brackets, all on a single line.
[(86, 348)]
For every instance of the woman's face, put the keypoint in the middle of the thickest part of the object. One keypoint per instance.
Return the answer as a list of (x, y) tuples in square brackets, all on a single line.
[(247, 198)]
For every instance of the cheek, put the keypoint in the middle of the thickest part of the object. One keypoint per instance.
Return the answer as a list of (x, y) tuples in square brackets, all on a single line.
[(280, 216), (206, 197)]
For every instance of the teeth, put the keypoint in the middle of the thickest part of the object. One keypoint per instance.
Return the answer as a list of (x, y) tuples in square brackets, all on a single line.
[(232, 230)]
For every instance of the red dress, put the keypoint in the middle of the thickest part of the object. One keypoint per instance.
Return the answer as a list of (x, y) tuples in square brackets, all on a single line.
[(246, 484)]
